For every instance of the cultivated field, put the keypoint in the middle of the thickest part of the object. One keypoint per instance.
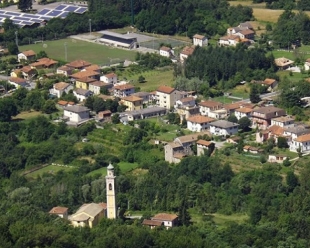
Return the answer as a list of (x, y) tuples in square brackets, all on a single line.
[(77, 49)]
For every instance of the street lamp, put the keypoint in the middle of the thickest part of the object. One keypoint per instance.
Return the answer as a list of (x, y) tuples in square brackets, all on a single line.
[(89, 26), (16, 38), (66, 56)]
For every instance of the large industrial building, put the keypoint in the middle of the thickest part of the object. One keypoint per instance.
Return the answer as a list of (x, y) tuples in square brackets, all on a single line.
[(118, 40)]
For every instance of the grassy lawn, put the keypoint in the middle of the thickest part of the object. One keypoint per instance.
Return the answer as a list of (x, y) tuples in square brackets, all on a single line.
[(126, 167), (296, 77), (77, 49), (242, 91), (52, 169), (102, 171), (280, 54), (26, 115), (154, 79), (221, 219), (224, 99)]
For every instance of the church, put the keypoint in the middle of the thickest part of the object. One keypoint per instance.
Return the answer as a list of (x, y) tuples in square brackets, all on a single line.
[(90, 214)]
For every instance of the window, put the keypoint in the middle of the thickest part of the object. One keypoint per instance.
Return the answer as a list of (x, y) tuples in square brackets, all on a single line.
[(110, 186)]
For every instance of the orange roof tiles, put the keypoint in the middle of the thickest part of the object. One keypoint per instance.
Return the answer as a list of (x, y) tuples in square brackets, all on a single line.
[(132, 99), (188, 50), (200, 119), (17, 80), (61, 85), (244, 110), (276, 130), (82, 74), (303, 138), (165, 89), (164, 216), (78, 64), (44, 62), (152, 223), (58, 210), (62, 103), (204, 142), (110, 75), (29, 53), (210, 104), (269, 81), (124, 87)]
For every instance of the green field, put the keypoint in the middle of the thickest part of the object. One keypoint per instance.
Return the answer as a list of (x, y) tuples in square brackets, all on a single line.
[(52, 169), (76, 49), (124, 167)]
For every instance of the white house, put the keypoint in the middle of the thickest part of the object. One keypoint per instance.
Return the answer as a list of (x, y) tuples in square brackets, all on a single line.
[(82, 94), (198, 123), (295, 131), (76, 113), (62, 212), (203, 146), (26, 55), (18, 82), (187, 51), (223, 128), (165, 51), (64, 70), (110, 78), (302, 142), (243, 112), (123, 90), (207, 106), (277, 158), (185, 102), (59, 88), (200, 40), (282, 121), (231, 40), (169, 220), (96, 86)]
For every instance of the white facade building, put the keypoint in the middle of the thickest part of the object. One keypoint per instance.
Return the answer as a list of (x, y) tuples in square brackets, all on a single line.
[(110, 78), (111, 194), (243, 112), (198, 123), (302, 142), (76, 113), (200, 40), (223, 128)]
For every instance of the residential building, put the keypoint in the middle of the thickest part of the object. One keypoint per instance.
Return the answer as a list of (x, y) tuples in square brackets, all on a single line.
[(85, 74), (277, 158), (198, 123), (272, 132), (92, 67), (63, 104), (181, 147), (230, 40), (123, 90), (167, 96), (78, 64), (16, 73), (302, 143), (62, 212), (234, 140), (132, 103), (96, 86), (152, 223), (261, 117), (104, 115), (295, 131), (283, 63), (125, 117), (165, 51), (146, 96), (18, 82), (82, 94), (206, 107), (88, 215), (243, 112), (28, 72), (83, 83), (59, 88), (28, 55), (204, 146), (65, 70), (246, 34), (76, 114), (252, 149), (187, 51), (110, 78), (185, 102), (200, 40), (283, 121), (232, 107), (111, 193), (270, 83), (246, 25), (44, 63), (169, 220), (223, 128)]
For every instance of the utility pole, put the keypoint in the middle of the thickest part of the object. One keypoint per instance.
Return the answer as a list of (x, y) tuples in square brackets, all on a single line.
[(16, 38), (89, 26), (66, 55)]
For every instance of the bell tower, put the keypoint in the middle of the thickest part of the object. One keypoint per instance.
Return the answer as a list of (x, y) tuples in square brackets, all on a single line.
[(111, 195)]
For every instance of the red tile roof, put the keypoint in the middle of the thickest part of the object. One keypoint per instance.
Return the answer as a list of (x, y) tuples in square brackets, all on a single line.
[(204, 142), (165, 89), (200, 119), (110, 75), (58, 210), (152, 223), (29, 53), (165, 217), (78, 64), (303, 138), (124, 87), (210, 104)]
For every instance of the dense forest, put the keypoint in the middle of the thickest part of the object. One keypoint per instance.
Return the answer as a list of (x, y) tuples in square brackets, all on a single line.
[(226, 67)]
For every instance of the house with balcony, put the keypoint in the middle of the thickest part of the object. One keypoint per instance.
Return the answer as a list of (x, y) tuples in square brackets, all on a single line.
[(206, 107), (198, 123), (261, 117), (302, 143), (223, 128), (110, 78), (123, 90), (243, 112), (167, 96), (132, 103)]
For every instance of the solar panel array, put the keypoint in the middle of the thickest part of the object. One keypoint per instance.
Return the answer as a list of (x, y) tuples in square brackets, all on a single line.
[(23, 19)]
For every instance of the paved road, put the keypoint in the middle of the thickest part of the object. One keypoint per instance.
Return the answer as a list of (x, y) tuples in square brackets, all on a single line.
[(262, 96)]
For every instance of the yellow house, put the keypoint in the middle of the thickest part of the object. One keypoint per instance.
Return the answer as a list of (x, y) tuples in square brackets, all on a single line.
[(83, 83), (132, 103), (16, 73), (88, 215)]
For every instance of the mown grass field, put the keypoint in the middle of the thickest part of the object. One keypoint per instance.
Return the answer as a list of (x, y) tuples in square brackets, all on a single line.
[(124, 167), (26, 115), (77, 49)]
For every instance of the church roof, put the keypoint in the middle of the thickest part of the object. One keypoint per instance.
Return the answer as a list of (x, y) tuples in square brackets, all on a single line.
[(110, 167)]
